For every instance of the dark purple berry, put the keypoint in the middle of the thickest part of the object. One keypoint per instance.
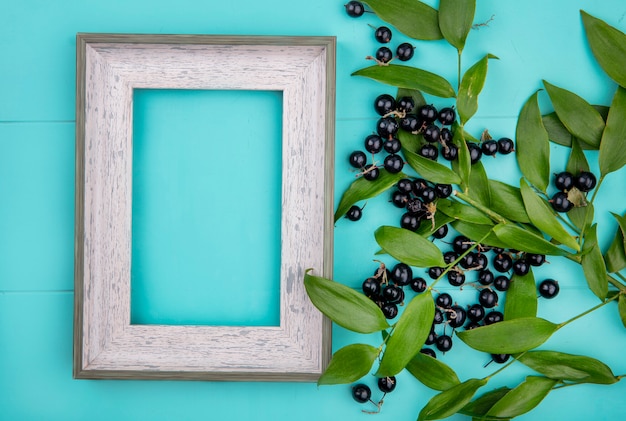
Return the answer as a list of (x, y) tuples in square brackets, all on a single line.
[(393, 163), (428, 113), (471, 325), (405, 185), (428, 195), (414, 205), (549, 288), (505, 146), (443, 190), (481, 261), (475, 312), (387, 384), (444, 343), (502, 263), (438, 317), (429, 352), (456, 316), (450, 152), (361, 393), (410, 221), (475, 152), (500, 358), (489, 147), (440, 232), (502, 283), (449, 257), (561, 203), (456, 278), (406, 104), (488, 298), (390, 310), (486, 277), (401, 274), (429, 151), (435, 272), (461, 244), (419, 184), (371, 172), (384, 104), (564, 181), (384, 55), (447, 116), (410, 123), (383, 34), (354, 213), (354, 9), (387, 127), (493, 317), (418, 285), (358, 159), (585, 181), (393, 294), (431, 133), (373, 143), (405, 51), (521, 267), (399, 199), (468, 260), (444, 300), (535, 259)]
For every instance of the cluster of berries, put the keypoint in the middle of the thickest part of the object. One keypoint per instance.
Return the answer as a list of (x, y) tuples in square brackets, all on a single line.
[(417, 197), (568, 185), (362, 392)]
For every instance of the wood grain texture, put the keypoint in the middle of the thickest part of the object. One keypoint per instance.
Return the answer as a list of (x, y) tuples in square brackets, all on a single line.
[(109, 67)]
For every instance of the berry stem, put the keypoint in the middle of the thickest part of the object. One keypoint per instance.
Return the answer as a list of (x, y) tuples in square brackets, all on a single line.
[(617, 284), (592, 309)]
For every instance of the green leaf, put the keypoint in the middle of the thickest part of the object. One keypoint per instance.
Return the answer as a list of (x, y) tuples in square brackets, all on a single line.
[(479, 185), (417, 96), (408, 247), (612, 155), (463, 212), (432, 372), (480, 406), (349, 364), (521, 297), (520, 239), (523, 398), (533, 146), (621, 306), (615, 256), (429, 169), (440, 218), (411, 17), (410, 78), (575, 368), (507, 201), (455, 20), (362, 189), (543, 217), (577, 115), (463, 164), (450, 401), (476, 232), (558, 133), (344, 306), (593, 265), (409, 335), (577, 160), (472, 83), (608, 46), (530, 332)]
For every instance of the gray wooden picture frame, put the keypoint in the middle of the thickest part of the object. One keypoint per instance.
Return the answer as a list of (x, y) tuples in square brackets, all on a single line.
[(109, 68)]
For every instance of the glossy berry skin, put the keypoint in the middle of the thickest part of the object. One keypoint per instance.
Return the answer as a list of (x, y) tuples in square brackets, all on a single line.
[(438, 317), (564, 181), (549, 288), (405, 51), (393, 294), (444, 343), (384, 55), (387, 127), (443, 190), (481, 261), (383, 34), (418, 285), (435, 272), (501, 283), (486, 277), (475, 152), (429, 151), (457, 316), (406, 104), (428, 195), (354, 213), (358, 159), (410, 221), (444, 300), (401, 274), (561, 203), (521, 267), (384, 104), (390, 310), (371, 172), (493, 317), (585, 181), (488, 298), (405, 185), (446, 116), (428, 113), (449, 257), (502, 263), (373, 144), (461, 244), (500, 358), (455, 278), (505, 146), (431, 133), (441, 232), (535, 259), (475, 312), (371, 287), (419, 184), (432, 337), (468, 260), (429, 352), (393, 163), (414, 205), (450, 152), (399, 199), (392, 145), (361, 393), (387, 384), (489, 147), (410, 123)]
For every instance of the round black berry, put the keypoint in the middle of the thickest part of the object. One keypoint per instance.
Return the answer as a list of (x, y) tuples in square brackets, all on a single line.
[(387, 384), (486, 277), (449, 257), (371, 172), (447, 116), (435, 272), (371, 287), (456, 316), (406, 104), (488, 298), (493, 317), (489, 147), (535, 259), (390, 310), (502, 283), (431, 133), (438, 317), (354, 213), (393, 163), (418, 284), (354, 9), (444, 300), (399, 199), (505, 145), (429, 352), (461, 244), (414, 205), (549, 288), (429, 151), (384, 104), (564, 181), (384, 55), (401, 274), (561, 203), (521, 267), (500, 358), (361, 393), (410, 123), (441, 232), (475, 152), (405, 185), (392, 145), (475, 312), (393, 294), (405, 51), (358, 159), (373, 143), (450, 152), (428, 195), (428, 113), (444, 343), (383, 34), (419, 184), (387, 127), (585, 181), (502, 263), (456, 278), (410, 221)]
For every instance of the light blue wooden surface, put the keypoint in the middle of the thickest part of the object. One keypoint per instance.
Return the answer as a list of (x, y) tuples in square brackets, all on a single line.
[(534, 40)]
